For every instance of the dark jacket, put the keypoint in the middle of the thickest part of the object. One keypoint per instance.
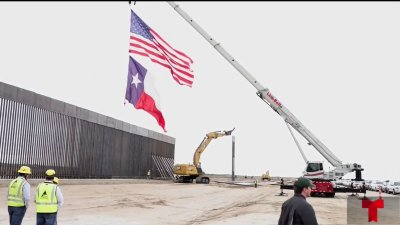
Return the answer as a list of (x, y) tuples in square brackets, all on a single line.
[(297, 211)]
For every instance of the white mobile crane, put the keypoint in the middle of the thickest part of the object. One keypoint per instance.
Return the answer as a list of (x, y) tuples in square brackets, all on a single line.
[(314, 170)]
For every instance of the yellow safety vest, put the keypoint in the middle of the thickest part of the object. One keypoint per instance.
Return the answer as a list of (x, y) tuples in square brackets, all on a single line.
[(46, 199), (15, 193)]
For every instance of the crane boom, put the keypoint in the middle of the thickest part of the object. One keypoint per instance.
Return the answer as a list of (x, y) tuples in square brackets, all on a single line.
[(266, 95)]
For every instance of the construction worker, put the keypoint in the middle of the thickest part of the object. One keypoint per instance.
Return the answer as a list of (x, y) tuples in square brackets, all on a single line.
[(19, 193), (297, 210), (56, 181), (48, 200), (148, 174)]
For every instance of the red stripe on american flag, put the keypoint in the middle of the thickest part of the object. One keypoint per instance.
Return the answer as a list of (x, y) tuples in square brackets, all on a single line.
[(185, 65), (184, 72), (156, 47), (151, 45), (179, 52), (149, 54), (168, 52), (177, 77), (139, 53), (180, 70), (155, 51), (161, 56)]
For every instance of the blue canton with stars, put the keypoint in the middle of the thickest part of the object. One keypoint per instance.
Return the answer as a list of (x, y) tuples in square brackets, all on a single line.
[(139, 27)]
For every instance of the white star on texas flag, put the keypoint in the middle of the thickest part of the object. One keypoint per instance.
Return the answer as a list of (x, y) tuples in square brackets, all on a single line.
[(135, 79)]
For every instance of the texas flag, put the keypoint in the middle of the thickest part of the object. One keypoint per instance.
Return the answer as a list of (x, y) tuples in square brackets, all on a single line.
[(140, 91)]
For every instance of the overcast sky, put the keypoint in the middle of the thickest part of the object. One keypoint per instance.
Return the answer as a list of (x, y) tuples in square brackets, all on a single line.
[(334, 65)]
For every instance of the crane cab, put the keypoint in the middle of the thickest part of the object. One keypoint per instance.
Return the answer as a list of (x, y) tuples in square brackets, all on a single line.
[(322, 186), (314, 170)]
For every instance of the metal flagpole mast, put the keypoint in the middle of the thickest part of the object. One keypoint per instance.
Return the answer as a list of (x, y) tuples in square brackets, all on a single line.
[(233, 157)]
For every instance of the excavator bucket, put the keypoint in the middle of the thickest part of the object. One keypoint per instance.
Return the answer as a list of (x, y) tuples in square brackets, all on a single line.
[(229, 132)]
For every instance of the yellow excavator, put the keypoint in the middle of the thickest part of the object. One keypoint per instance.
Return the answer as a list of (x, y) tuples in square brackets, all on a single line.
[(266, 176), (186, 173)]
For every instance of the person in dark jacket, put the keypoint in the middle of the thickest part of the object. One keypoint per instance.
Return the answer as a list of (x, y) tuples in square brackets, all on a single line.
[(296, 210)]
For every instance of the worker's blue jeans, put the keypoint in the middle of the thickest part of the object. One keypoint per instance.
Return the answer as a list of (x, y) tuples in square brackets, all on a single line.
[(16, 214), (46, 218)]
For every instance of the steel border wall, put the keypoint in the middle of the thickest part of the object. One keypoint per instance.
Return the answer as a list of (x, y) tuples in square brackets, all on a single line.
[(44, 133)]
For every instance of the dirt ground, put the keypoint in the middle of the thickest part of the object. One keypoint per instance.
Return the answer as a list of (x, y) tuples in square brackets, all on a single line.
[(148, 202)]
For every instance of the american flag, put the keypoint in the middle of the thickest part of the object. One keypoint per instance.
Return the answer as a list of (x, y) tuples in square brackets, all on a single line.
[(144, 41)]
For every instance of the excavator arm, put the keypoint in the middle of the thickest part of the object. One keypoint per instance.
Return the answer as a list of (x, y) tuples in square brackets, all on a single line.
[(203, 145)]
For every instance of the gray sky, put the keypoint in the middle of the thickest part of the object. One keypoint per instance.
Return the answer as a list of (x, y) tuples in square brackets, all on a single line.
[(334, 65)]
